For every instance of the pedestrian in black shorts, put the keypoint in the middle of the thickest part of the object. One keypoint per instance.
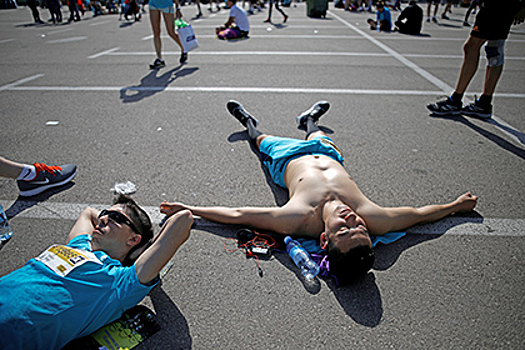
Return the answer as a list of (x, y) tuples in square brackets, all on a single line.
[(492, 27)]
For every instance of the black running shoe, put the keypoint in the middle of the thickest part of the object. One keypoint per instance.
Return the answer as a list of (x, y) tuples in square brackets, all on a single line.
[(46, 177), (158, 63), (316, 111), (477, 111), (183, 57), (238, 111), (445, 107)]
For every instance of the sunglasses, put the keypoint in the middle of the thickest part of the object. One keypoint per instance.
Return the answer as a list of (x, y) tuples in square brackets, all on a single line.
[(118, 218)]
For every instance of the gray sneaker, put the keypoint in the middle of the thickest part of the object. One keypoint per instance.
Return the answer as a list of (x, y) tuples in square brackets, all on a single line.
[(47, 177)]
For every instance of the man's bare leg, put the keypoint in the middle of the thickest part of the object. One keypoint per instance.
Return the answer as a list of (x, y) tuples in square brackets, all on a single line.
[(470, 63)]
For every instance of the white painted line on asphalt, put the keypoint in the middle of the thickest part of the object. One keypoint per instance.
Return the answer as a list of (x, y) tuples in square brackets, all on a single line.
[(6, 41), (461, 226), (59, 31), (290, 53), (431, 78), (99, 23), (330, 37), (229, 89), (21, 81), (67, 40), (107, 52)]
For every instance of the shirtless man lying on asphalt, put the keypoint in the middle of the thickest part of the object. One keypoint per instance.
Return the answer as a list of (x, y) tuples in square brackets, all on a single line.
[(325, 203)]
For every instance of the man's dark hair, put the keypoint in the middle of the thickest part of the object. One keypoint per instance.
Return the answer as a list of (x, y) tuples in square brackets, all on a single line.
[(139, 217), (348, 267)]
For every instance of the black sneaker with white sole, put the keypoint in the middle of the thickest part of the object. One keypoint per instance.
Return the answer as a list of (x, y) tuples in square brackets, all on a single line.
[(158, 63), (477, 111), (316, 111), (238, 111), (445, 107)]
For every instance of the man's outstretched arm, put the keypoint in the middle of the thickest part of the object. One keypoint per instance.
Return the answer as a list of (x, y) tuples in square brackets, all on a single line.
[(278, 219), (172, 235), (382, 220)]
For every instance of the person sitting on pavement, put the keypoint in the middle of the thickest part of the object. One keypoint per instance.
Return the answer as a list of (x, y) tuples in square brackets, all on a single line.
[(410, 19), (37, 178), (72, 290), (324, 201), (237, 25), (383, 20)]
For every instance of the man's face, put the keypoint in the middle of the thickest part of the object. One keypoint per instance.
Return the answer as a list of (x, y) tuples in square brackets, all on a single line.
[(112, 234), (346, 229)]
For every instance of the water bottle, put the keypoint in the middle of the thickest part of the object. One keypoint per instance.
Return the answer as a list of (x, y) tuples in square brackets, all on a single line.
[(301, 258), (5, 230)]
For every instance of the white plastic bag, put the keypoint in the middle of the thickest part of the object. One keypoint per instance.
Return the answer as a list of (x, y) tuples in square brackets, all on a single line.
[(187, 38)]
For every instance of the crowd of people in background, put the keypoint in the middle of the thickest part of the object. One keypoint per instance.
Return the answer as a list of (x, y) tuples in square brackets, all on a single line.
[(132, 9)]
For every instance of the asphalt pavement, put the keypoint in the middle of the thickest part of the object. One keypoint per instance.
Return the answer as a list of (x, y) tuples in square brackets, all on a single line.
[(83, 93)]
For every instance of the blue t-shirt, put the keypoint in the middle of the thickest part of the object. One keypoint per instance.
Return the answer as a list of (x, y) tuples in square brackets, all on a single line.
[(384, 16), (64, 294)]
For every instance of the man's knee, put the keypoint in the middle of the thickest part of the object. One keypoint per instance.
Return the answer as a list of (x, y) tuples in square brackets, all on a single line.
[(495, 53)]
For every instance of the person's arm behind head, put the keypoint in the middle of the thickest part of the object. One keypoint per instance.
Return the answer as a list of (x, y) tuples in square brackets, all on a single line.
[(172, 235), (85, 223)]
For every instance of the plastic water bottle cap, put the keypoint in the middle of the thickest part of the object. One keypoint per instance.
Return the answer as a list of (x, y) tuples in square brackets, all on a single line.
[(287, 239)]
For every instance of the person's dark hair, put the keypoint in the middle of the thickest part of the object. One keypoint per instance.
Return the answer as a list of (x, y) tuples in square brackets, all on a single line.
[(139, 217), (348, 267), (412, 2)]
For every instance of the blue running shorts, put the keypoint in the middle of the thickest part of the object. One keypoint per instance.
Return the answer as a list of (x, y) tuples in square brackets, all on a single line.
[(277, 152)]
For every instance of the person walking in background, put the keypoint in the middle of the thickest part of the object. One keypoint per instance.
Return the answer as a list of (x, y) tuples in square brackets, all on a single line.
[(471, 9), (492, 28), (276, 2), (34, 11), (164, 8)]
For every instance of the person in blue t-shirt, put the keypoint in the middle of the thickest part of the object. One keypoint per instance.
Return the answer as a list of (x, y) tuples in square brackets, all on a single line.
[(383, 19), (110, 263)]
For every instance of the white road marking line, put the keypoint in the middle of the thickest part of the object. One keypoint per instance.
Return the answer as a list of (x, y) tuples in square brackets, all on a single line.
[(67, 40), (289, 53), (99, 23), (107, 52), (6, 41), (228, 89), (450, 226), (21, 81)]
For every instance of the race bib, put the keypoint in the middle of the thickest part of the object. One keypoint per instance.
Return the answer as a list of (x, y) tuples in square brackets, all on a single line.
[(62, 259)]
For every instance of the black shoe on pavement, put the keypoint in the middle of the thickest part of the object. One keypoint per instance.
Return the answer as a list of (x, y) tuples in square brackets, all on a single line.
[(316, 111), (445, 107), (238, 111), (46, 177), (477, 111), (183, 57), (158, 63)]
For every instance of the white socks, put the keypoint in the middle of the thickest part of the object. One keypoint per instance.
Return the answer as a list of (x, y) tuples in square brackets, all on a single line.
[(28, 173)]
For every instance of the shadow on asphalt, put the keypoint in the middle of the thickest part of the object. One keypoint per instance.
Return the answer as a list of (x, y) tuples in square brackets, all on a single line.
[(520, 152), (153, 83), (174, 332), (23, 203)]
